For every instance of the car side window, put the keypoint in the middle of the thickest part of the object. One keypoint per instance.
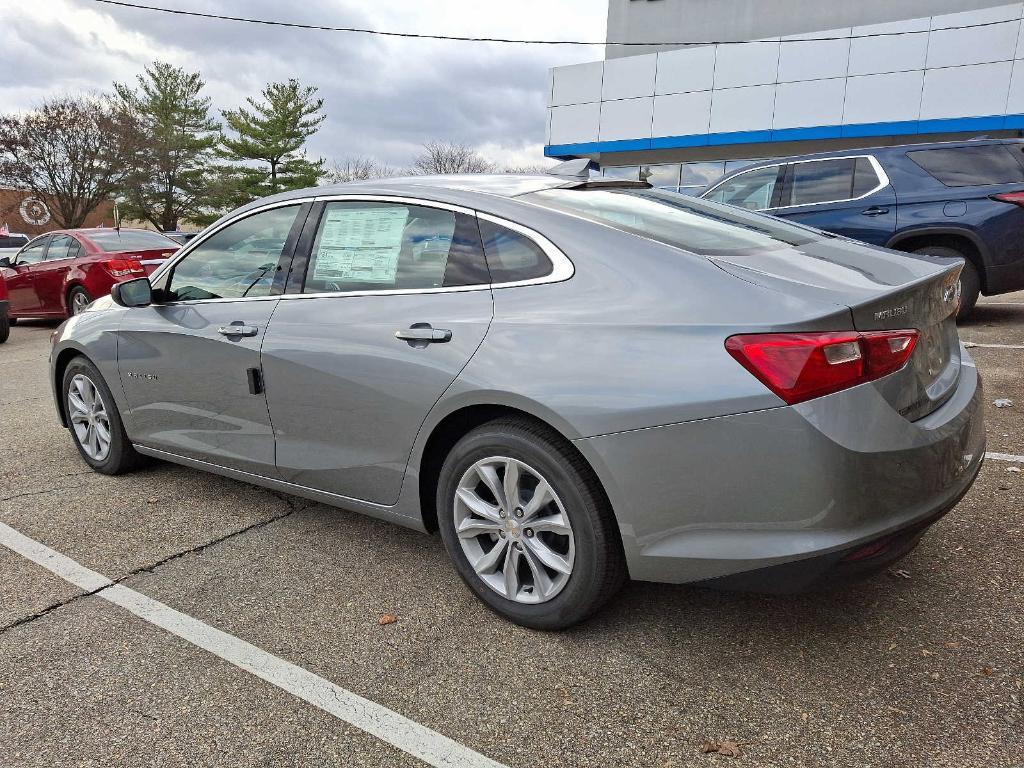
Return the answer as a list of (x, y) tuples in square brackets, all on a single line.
[(239, 261), (58, 249), (511, 256), (821, 181), (753, 190), (33, 252), (371, 246)]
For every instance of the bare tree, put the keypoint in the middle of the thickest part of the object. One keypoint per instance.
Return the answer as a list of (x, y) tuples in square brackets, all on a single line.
[(440, 157), (527, 170), (357, 169), (72, 152)]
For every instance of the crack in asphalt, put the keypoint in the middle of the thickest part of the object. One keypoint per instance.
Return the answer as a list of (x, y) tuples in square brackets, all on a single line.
[(46, 490), (293, 507)]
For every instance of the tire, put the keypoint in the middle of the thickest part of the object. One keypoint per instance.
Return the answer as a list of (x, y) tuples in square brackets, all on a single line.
[(970, 283), (591, 549), (12, 321), (119, 457), (78, 299), (5, 327)]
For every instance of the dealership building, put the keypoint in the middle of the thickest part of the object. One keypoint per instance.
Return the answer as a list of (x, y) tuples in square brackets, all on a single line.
[(742, 80)]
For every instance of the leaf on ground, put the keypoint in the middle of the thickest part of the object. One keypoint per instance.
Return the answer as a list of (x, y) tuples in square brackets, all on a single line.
[(899, 574), (387, 618), (952, 644), (727, 748), (987, 670)]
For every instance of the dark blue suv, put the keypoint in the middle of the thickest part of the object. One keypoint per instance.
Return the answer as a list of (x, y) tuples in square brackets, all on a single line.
[(944, 199)]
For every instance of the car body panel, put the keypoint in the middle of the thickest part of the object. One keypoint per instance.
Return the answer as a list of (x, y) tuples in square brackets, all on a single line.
[(708, 472)]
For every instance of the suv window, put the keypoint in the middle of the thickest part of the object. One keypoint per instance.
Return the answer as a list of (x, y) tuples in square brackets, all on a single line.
[(970, 166), (239, 261), (12, 241), (511, 256), (754, 189), (33, 253), (821, 181), (370, 246)]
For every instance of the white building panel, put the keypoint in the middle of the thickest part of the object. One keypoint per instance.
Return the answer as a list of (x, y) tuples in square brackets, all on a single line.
[(682, 114), (688, 69), (811, 102), (843, 32), (874, 55), (1015, 103), (891, 27), (974, 45), (576, 123), (972, 91), (739, 64), (577, 84), (627, 119), (742, 109), (813, 59), (629, 77), (885, 98), (1006, 12)]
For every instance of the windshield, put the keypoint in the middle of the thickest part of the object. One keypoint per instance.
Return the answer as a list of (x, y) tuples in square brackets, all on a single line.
[(112, 241), (699, 226)]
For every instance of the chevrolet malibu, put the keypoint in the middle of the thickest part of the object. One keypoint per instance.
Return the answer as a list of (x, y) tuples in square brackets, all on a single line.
[(574, 382)]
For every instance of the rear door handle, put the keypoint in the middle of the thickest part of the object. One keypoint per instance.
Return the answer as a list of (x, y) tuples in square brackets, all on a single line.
[(874, 210), (238, 329), (425, 334)]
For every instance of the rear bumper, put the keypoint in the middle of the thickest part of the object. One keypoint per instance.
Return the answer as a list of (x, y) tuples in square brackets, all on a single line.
[(739, 494), (1004, 278)]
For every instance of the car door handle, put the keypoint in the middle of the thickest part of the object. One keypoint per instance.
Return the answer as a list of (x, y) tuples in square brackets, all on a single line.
[(874, 210), (425, 334), (237, 329)]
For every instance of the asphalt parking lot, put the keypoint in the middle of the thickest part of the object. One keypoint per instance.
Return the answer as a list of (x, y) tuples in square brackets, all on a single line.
[(920, 666)]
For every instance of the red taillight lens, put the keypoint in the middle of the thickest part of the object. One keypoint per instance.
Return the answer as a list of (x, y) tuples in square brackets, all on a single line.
[(123, 267), (802, 366), (1017, 198)]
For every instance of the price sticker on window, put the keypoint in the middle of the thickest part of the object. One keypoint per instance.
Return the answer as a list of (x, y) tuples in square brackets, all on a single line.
[(360, 245)]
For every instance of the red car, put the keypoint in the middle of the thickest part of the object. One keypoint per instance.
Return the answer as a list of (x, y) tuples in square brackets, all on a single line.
[(59, 273), (5, 324)]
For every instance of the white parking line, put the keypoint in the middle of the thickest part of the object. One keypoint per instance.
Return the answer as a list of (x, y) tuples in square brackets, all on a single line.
[(972, 345), (388, 726), (1005, 457)]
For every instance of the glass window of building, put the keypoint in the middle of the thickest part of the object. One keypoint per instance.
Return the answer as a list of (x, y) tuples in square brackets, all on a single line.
[(701, 174), (663, 176), (629, 172)]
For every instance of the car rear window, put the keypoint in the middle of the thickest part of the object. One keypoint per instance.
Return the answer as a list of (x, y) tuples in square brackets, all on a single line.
[(113, 241), (692, 224), (972, 166)]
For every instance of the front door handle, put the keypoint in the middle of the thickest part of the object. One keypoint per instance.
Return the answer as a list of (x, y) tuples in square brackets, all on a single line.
[(238, 329), (424, 334), (875, 210)]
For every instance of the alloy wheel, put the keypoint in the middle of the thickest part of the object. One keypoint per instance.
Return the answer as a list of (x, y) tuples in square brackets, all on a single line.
[(88, 416), (79, 301), (514, 530)]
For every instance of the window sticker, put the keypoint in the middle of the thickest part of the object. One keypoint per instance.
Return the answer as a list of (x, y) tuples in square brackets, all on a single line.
[(361, 245)]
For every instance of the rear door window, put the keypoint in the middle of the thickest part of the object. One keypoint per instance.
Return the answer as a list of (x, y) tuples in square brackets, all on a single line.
[(971, 166), (58, 249), (821, 181)]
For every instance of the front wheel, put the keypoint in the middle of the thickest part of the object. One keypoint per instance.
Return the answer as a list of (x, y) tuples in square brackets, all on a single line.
[(94, 421), (527, 526)]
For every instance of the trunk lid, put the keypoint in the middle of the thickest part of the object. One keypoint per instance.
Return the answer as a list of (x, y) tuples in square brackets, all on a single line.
[(149, 259), (884, 291)]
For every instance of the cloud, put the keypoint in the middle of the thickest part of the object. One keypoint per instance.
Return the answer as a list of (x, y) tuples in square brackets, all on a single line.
[(383, 96)]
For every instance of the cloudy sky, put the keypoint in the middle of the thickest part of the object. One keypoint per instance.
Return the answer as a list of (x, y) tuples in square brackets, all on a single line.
[(383, 96)]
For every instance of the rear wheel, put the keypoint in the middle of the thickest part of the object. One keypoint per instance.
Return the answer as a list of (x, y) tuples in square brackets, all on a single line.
[(5, 327), (970, 283), (94, 421), (527, 526), (78, 300)]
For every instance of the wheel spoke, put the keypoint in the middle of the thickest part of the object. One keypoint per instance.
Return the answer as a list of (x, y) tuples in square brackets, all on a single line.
[(553, 523), (511, 573), (511, 485), (103, 432), (542, 496), (77, 403), (477, 505), (94, 447), (474, 526), (490, 560), (490, 477), (548, 556), (79, 416), (541, 581)]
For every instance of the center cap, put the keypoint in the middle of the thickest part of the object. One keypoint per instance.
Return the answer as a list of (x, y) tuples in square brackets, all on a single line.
[(512, 527)]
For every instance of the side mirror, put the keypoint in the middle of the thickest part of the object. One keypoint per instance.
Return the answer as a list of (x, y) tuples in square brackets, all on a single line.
[(132, 293), (5, 261)]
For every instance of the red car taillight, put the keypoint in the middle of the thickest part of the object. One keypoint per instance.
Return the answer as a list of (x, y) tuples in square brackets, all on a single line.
[(1017, 198), (124, 267), (802, 366)]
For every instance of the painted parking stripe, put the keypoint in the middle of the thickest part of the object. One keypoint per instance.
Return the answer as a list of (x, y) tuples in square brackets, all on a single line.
[(1005, 457), (972, 345), (419, 741)]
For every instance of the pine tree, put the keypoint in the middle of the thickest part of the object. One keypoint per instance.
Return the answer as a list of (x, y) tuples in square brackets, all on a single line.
[(273, 131), (170, 177)]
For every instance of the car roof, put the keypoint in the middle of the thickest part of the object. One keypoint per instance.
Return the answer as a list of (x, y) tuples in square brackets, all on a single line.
[(501, 184)]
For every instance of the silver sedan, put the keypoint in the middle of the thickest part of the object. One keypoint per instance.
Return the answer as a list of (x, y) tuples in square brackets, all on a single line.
[(575, 382)]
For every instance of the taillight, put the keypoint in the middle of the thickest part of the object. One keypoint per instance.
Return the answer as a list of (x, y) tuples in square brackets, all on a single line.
[(802, 366), (123, 267), (1017, 198)]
